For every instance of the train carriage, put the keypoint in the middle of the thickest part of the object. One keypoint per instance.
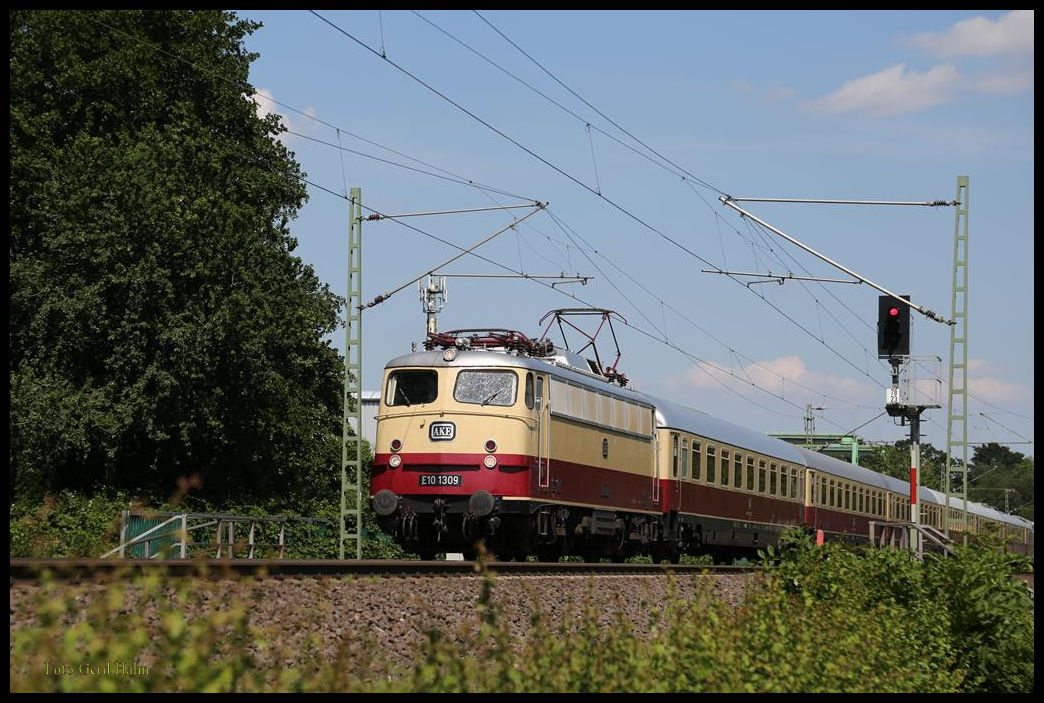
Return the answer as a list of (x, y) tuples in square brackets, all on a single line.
[(725, 487)]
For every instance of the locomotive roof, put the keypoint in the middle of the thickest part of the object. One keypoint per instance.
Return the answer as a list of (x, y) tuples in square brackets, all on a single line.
[(482, 358)]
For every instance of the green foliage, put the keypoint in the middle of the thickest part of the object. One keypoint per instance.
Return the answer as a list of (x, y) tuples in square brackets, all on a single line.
[(68, 524), (1001, 477), (968, 605), (161, 327), (994, 472), (991, 615)]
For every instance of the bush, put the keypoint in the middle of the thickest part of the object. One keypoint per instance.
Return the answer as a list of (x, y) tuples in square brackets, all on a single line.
[(69, 524), (825, 619)]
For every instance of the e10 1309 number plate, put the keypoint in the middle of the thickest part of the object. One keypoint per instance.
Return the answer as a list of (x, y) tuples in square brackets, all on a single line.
[(439, 480)]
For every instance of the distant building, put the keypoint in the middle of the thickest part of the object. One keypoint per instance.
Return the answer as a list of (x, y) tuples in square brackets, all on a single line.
[(843, 447), (370, 402)]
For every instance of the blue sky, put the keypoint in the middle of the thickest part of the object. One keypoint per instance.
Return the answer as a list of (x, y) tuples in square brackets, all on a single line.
[(833, 105)]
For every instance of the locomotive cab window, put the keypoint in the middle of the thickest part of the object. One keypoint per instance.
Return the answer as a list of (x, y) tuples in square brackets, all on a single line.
[(411, 387), (486, 387)]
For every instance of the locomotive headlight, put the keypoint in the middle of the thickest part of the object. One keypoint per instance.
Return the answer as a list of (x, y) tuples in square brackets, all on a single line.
[(394, 461), (449, 355), (490, 462), (491, 446), (396, 445)]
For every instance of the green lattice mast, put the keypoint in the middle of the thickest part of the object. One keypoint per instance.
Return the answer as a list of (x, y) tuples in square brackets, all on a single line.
[(351, 436), (957, 406)]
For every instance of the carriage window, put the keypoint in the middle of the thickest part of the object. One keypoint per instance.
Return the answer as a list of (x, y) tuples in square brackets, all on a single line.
[(710, 464), (724, 468), (413, 387), (761, 475), (794, 484), (529, 390), (783, 481), (486, 387), (737, 474), (750, 473), (695, 461), (685, 458), (772, 478)]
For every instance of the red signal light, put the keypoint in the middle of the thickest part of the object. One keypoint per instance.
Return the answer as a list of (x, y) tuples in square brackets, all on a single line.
[(893, 312)]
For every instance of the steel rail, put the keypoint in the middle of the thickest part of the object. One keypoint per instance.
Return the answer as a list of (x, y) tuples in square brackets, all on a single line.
[(69, 569)]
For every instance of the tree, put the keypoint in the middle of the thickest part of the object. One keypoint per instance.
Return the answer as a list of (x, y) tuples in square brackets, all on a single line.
[(161, 326), (995, 473), (894, 460)]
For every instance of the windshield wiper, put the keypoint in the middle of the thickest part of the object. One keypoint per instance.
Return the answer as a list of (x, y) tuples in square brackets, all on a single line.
[(404, 397), (488, 400)]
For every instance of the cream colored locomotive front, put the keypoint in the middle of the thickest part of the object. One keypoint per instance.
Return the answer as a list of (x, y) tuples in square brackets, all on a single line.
[(457, 430)]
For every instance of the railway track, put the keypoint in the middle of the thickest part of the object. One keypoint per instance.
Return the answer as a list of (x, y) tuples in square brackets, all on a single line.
[(70, 569)]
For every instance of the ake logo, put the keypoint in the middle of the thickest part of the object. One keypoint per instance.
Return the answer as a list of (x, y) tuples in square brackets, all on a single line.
[(442, 431)]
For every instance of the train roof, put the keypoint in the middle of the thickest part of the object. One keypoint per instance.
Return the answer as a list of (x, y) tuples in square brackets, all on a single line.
[(836, 467), (676, 416), (680, 417), (932, 496)]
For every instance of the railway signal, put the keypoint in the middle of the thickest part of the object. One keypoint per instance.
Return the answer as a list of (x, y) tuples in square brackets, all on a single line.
[(893, 327)]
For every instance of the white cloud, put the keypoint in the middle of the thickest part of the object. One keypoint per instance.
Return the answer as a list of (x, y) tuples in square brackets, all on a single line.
[(979, 36), (995, 390), (266, 105), (896, 90), (1003, 82), (781, 377), (893, 91)]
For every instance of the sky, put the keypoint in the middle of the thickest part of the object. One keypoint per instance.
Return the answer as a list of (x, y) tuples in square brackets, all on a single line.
[(630, 126)]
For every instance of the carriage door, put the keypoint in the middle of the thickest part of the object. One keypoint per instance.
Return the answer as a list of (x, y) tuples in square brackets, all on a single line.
[(543, 412), (810, 498)]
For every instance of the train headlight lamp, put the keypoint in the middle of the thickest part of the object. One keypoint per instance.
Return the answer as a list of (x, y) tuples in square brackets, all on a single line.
[(395, 461), (396, 445), (490, 462), (450, 354), (491, 446)]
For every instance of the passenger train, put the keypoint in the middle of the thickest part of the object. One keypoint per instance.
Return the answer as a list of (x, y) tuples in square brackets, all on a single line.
[(488, 435)]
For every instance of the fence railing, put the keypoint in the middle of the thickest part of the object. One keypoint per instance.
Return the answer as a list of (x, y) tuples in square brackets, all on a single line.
[(897, 535), (153, 535)]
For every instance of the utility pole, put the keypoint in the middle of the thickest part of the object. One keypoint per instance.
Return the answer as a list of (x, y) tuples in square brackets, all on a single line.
[(810, 424), (957, 404), (896, 408), (351, 437)]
